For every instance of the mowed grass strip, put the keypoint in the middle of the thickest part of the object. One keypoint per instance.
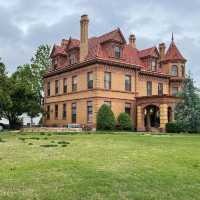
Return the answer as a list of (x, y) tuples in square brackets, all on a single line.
[(100, 166)]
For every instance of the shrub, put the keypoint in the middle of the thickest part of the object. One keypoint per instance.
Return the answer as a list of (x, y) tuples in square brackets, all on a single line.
[(124, 122), (105, 118), (174, 127)]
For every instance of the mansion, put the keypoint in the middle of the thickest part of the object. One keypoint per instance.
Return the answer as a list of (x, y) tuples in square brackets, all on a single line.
[(91, 71)]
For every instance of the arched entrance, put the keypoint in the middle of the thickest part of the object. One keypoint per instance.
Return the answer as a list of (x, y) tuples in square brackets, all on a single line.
[(151, 117)]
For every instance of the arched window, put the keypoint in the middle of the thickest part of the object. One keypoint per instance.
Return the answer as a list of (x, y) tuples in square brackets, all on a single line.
[(174, 70)]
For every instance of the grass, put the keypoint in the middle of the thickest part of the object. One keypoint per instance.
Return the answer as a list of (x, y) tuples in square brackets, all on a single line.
[(100, 167)]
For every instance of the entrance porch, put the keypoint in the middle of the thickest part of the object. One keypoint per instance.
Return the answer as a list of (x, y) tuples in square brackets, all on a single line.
[(153, 112)]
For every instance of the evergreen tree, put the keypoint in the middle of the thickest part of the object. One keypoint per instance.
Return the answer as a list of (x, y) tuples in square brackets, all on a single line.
[(105, 118), (187, 111), (124, 122)]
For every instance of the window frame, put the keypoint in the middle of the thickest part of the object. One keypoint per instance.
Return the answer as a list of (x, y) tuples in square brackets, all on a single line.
[(74, 115), (149, 92), (155, 62), (65, 85), (57, 87), (117, 52), (160, 89), (174, 72), (89, 111), (64, 114), (107, 82), (174, 94), (128, 86), (56, 112), (74, 83), (127, 105), (90, 82)]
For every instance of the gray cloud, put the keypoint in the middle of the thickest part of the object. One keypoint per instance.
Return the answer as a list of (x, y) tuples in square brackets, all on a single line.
[(25, 24)]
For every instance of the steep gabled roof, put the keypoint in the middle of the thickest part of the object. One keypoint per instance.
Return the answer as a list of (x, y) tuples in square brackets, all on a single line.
[(115, 35), (148, 52), (173, 54), (57, 50)]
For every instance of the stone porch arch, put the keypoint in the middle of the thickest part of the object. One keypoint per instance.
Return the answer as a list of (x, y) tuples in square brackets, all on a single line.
[(162, 102)]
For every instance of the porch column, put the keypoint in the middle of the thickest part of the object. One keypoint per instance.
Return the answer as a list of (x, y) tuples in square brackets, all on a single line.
[(163, 116), (140, 119)]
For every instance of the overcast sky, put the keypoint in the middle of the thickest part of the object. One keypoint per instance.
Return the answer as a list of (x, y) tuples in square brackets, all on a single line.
[(25, 24)]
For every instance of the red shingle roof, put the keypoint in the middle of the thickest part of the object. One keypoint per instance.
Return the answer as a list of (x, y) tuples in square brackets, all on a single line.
[(147, 52), (58, 50), (173, 53)]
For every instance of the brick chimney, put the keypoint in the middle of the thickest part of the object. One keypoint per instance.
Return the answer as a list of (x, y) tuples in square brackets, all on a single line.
[(84, 37), (132, 40), (162, 48)]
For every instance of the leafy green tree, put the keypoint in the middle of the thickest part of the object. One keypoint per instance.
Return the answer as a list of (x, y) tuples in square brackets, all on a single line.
[(124, 122), (105, 118), (40, 62), (187, 111)]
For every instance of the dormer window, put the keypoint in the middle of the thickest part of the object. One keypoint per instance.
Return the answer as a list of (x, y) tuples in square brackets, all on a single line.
[(55, 63), (117, 52), (174, 70), (72, 59), (153, 65)]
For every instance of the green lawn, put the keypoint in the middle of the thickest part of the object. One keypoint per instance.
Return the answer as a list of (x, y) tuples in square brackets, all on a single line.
[(99, 166)]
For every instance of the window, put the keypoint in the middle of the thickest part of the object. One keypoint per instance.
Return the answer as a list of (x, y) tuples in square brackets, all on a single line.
[(174, 91), (74, 83), (64, 85), (153, 64), (128, 108), (48, 88), (73, 112), (64, 111), (183, 70), (48, 112), (72, 59), (128, 83), (57, 87), (89, 111), (160, 89), (108, 103), (90, 80), (174, 70), (107, 80), (117, 52), (149, 88), (56, 111)]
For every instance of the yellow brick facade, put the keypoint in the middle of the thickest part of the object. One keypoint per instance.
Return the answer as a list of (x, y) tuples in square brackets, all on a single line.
[(117, 95)]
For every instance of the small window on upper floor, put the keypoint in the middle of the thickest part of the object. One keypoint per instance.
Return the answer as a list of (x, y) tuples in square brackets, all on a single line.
[(174, 70), (174, 91), (117, 52), (183, 70), (72, 59), (149, 88), (153, 65)]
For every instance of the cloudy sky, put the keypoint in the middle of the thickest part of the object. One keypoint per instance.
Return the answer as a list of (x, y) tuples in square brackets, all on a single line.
[(25, 24)]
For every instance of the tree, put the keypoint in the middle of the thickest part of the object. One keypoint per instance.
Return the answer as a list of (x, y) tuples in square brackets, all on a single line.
[(40, 62), (124, 122), (105, 118), (187, 112)]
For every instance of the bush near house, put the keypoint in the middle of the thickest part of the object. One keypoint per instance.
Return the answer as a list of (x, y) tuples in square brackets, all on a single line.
[(124, 122), (105, 118), (174, 127)]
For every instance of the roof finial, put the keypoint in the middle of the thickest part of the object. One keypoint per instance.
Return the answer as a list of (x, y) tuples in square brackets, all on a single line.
[(172, 36)]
